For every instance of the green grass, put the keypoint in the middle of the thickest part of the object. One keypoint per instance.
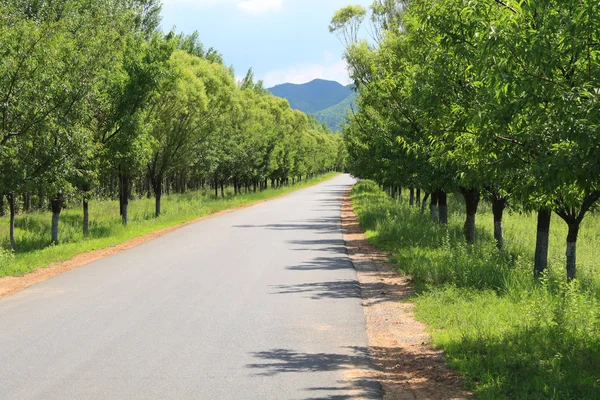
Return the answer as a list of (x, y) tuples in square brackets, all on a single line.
[(33, 230), (512, 337)]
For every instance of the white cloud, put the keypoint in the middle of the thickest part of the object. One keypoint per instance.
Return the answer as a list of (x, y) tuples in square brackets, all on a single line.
[(260, 6), (335, 71), (247, 6)]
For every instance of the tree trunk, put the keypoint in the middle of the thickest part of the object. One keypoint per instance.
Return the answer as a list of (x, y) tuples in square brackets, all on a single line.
[(542, 242), (1, 205), (235, 187), (120, 195), (418, 198), (433, 207), (26, 202), (424, 204), (222, 190), (157, 195), (124, 191), (471, 202), (498, 206), (443, 206), (86, 218), (11, 205), (148, 187), (572, 249), (216, 189), (124, 197), (41, 199), (411, 199), (56, 205)]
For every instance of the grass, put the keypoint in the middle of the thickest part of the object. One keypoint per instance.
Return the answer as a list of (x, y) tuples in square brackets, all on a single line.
[(32, 230), (511, 336)]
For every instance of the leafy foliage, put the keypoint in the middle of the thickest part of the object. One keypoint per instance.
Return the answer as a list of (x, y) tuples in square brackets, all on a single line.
[(97, 103), (493, 99)]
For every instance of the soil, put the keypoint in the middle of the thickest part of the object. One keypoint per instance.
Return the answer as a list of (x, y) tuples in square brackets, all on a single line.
[(405, 363)]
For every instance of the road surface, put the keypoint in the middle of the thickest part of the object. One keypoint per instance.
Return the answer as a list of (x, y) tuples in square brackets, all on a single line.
[(262, 303)]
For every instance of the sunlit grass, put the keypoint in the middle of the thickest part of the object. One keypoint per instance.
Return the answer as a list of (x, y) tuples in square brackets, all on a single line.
[(33, 230), (513, 337)]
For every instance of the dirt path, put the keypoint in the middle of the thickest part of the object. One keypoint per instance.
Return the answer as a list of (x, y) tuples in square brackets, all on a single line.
[(406, 365)]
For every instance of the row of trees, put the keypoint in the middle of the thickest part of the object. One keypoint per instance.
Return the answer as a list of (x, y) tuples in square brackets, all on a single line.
[(95, 101), (493, 99)]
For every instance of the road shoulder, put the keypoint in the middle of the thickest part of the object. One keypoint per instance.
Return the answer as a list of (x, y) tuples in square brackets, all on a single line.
[(405, 363)]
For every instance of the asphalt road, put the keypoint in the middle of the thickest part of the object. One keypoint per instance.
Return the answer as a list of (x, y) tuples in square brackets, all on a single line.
[(262, 303)]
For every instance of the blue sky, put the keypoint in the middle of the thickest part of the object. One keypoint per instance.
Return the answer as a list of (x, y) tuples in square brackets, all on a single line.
[(282, 40)]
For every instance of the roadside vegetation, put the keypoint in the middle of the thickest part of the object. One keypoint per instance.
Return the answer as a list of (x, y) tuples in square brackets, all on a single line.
[(490, 111), (106, 228), (98, 104), (513, 337)]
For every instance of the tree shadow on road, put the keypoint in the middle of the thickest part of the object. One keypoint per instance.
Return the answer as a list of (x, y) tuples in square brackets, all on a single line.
[(323, 264), (377, 292), (319, 225), (354, 361), (342, 289), (329, 245), (370, 371)]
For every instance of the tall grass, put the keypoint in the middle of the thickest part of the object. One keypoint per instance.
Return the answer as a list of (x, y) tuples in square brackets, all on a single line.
[(33, 229), (513, 337)]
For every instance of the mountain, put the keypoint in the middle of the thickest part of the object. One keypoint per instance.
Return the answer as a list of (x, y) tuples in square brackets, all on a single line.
[(335, 115), (313, 96), (326, 100)]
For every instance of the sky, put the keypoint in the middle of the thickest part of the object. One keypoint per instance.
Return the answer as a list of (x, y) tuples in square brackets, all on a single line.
[(281, 40)]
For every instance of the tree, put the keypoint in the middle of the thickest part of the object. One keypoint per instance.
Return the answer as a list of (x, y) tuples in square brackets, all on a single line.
[(56, 53), (183, 113)]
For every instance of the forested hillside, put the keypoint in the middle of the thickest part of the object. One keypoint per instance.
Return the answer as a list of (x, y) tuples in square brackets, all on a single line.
[(496, 102), (336, 115), (98, 103), (313, 96), (328, 101)]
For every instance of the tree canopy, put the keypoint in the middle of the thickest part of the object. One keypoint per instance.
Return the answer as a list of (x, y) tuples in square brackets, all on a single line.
[(496, 100), (97, 102)]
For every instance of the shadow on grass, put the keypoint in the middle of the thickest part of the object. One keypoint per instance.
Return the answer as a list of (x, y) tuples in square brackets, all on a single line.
[(432, 253), (541, 363), (36, 231)]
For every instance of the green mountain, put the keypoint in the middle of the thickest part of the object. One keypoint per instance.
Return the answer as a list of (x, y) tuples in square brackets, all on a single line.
[(335, 115), (326, 100)]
